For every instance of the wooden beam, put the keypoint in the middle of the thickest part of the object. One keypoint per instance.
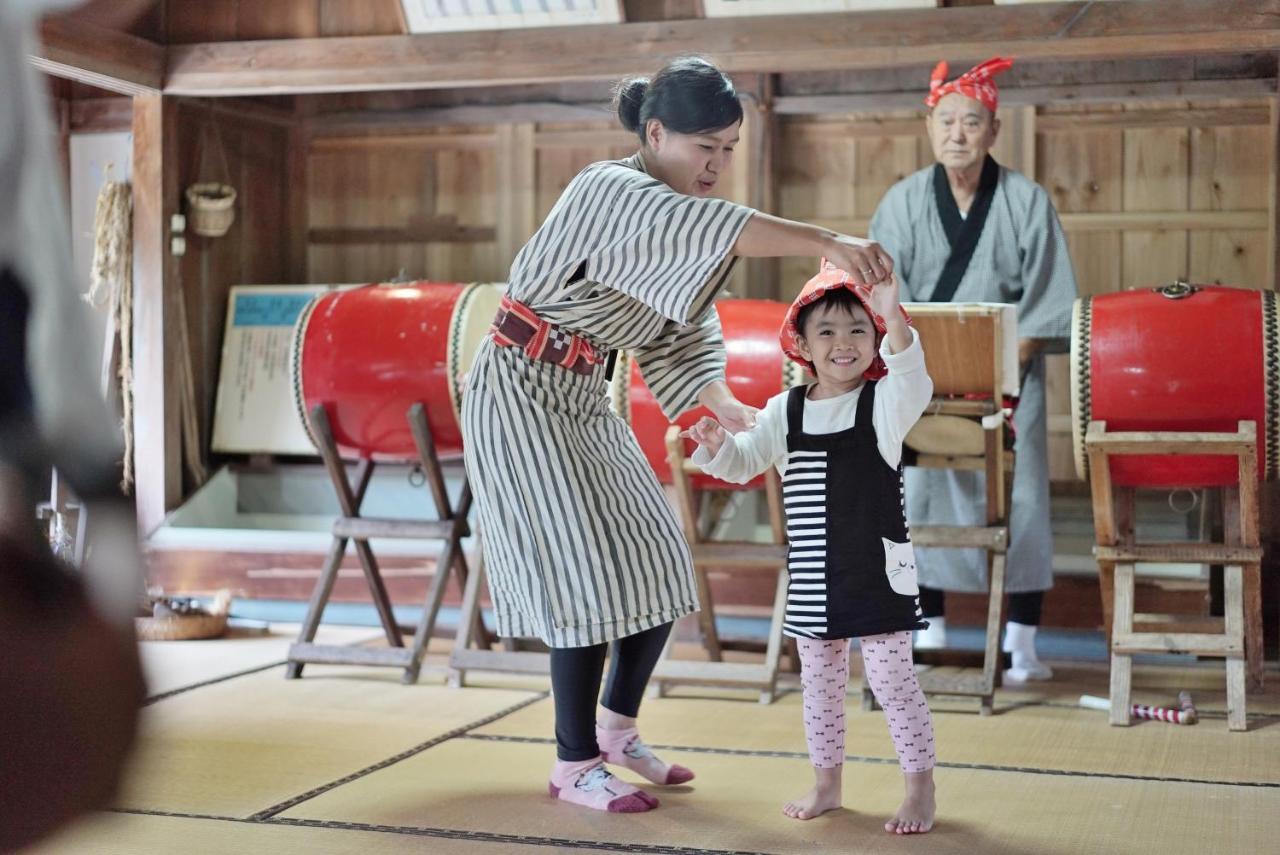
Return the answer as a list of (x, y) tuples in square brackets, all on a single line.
[(441, 228), (100, 57), (101, 115), (412, 141), (157, 436), (365, 121), (1205, 117), (1084, 93), (1118, 221), (1049, 31)]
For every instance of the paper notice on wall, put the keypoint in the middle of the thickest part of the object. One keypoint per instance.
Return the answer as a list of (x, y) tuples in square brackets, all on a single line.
[(255, 412)]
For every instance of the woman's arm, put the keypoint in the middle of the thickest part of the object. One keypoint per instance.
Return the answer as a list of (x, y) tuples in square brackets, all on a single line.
[(767, 236)]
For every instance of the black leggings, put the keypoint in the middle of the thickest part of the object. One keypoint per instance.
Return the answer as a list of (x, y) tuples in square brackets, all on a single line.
[(575, 684), (1024, 608)]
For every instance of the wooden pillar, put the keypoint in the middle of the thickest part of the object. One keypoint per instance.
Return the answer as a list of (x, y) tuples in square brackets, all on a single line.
[(517, 191), (158, 478), (761, 127), (296, 166)]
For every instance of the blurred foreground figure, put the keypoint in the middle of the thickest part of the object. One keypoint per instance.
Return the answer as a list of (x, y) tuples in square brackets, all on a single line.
[(70, 682)]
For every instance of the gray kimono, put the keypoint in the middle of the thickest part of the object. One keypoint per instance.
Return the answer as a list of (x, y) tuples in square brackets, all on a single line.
[(1021, 257)]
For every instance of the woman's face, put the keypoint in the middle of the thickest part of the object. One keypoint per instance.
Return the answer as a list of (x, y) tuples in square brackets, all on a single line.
[(689, 163)]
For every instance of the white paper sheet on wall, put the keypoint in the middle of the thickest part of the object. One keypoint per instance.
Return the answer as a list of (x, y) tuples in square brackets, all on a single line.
[(254, 412)]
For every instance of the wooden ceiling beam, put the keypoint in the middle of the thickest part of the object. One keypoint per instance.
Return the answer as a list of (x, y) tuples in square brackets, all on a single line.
[(1051, 31), (106, 58), (1016, 96)]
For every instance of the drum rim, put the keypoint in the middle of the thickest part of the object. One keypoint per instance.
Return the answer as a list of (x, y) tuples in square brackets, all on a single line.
[(1081, 401), (295, 357), (453, 350), (1271, 385)]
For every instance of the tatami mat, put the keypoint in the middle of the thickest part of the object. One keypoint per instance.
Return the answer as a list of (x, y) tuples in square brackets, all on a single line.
[(734, 805), (134, 834), (348, 759), (173, 665), (238, 747)]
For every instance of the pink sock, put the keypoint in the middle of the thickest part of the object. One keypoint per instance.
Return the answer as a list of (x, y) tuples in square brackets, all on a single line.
[(624, 748), (590, 784)]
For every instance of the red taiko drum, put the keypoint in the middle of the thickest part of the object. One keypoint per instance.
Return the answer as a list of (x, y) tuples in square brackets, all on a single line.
[(1178, 358), (370, 353), (756, 371)]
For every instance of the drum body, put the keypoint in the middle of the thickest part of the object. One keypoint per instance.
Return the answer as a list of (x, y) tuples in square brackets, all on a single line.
[(757, 370), (369, 353), (1178, 358)]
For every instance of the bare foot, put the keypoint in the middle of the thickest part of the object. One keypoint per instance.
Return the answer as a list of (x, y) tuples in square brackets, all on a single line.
[(915, 814), (824, 796)]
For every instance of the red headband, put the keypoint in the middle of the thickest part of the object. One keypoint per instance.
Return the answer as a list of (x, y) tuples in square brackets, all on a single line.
[(976, 83)]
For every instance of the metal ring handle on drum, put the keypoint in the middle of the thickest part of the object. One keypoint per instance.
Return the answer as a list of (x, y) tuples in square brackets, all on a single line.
[(1177, 291), (1195, 501), (417, 477)]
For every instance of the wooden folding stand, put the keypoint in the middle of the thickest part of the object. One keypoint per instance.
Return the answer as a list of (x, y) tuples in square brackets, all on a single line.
[(968, 359), (517, 656), (1238, 635), (740, 556), (449, 526)]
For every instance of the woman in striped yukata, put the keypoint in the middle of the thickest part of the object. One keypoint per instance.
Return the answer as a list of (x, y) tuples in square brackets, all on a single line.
[(851, 564), (581, 547)]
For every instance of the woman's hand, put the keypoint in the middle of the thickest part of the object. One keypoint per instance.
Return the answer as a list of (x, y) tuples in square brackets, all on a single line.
[(707, 433), (864, 260), (733, 415)]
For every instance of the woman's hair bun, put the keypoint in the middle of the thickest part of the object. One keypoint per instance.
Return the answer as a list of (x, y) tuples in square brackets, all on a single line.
[(628, 97)]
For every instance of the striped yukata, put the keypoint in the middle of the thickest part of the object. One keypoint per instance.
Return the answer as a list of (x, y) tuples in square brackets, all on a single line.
[(581, 546)]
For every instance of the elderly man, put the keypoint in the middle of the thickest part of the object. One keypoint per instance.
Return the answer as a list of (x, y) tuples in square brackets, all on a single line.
[(967, 229)]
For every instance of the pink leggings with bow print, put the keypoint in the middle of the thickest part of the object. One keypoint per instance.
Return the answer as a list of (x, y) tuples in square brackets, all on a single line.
[(824, 678)]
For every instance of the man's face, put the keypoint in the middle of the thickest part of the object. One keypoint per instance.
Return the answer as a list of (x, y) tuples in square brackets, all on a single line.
[(962, 131)]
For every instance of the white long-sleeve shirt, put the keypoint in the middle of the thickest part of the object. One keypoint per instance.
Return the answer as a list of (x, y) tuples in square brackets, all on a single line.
[(901, 397)]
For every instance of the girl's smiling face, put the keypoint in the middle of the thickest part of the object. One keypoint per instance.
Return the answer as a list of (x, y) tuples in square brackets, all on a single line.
[(839, 341)]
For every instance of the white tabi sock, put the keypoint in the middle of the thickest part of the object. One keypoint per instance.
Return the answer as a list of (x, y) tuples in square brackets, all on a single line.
[(933, 638), (1020, 640)]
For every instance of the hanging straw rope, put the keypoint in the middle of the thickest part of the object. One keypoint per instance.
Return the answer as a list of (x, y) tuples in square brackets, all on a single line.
[(111, 284)]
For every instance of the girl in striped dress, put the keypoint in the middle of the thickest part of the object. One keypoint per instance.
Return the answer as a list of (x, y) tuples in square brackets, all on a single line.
[(581, 548), (838, 446)]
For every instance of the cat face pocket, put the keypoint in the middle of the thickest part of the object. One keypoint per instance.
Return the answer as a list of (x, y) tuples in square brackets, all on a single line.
[(900, 567)]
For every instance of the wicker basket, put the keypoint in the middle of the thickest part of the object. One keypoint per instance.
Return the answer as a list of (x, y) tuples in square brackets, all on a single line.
[(186, 627), (211, 207)]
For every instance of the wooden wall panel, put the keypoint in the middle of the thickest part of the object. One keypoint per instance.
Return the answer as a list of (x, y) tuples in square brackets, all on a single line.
[(279, 19), (1083, 172), (254, 251), (393, 184), (1156, 178), (1230, 171), (206, 21), (361, 18), (188, 22)]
